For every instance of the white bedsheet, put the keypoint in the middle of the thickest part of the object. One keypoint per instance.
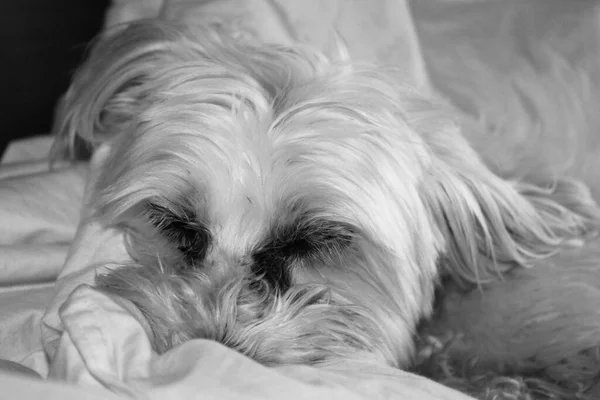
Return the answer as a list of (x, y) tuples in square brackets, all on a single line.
[(39, 211)]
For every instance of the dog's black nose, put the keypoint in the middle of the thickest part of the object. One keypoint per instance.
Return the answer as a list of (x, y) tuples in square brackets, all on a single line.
[(273, 266)]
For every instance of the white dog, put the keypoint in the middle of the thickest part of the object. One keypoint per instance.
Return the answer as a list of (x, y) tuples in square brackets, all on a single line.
[(296, 209)]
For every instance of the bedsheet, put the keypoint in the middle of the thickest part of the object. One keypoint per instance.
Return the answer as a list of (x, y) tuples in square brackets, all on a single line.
[(51, 319), (39, 211)]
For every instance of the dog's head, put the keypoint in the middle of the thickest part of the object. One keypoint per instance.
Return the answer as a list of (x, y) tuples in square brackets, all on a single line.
[(295, 209)]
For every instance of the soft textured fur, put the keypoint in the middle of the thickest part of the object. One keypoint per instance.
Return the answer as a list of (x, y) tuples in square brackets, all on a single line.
[(527, 72), (296, 209)]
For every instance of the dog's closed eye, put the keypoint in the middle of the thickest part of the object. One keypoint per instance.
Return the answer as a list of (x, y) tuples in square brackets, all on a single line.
[(300, 244), (182, 230)]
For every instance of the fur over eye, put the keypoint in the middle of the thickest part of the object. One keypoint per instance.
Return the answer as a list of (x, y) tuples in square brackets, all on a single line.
[(182, 230)]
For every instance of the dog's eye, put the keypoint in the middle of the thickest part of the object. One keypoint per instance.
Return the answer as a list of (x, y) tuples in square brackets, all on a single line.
[(318, 239), (314, 242), (183, 230)]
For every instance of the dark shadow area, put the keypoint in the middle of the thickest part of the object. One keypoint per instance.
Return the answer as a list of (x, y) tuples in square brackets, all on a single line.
[(42, 43)]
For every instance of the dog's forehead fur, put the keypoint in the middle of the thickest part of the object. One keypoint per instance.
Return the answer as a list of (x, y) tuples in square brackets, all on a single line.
[(326, 143)]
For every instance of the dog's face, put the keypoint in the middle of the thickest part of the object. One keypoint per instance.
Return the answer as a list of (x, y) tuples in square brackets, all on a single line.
[(296, 210)]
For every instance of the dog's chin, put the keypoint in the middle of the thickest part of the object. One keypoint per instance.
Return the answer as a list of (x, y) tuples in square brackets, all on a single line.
[(309, 323)]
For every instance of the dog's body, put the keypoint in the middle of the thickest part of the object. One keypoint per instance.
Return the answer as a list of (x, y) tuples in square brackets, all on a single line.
[(296, 209)]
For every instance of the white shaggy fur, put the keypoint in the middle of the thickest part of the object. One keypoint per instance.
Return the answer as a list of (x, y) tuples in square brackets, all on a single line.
[(528, 73), (297, 210)]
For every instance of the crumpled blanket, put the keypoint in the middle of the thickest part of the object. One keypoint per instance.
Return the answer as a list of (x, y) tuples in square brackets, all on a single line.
[(54, 322)]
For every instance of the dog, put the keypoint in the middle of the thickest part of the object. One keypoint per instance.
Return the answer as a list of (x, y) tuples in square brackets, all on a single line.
[(298, 209)]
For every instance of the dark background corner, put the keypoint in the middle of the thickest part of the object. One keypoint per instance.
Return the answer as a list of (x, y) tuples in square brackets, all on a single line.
[(42, 43)]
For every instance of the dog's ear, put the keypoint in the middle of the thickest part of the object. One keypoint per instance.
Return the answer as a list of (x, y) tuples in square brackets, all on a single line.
[(489, 224), (102, 96)]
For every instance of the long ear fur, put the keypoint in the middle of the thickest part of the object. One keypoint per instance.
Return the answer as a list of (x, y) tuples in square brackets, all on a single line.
[(489, 224), (101, 99), (124, 68)]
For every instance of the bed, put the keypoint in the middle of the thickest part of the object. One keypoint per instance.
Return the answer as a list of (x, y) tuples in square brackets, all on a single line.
[(59, 338)]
